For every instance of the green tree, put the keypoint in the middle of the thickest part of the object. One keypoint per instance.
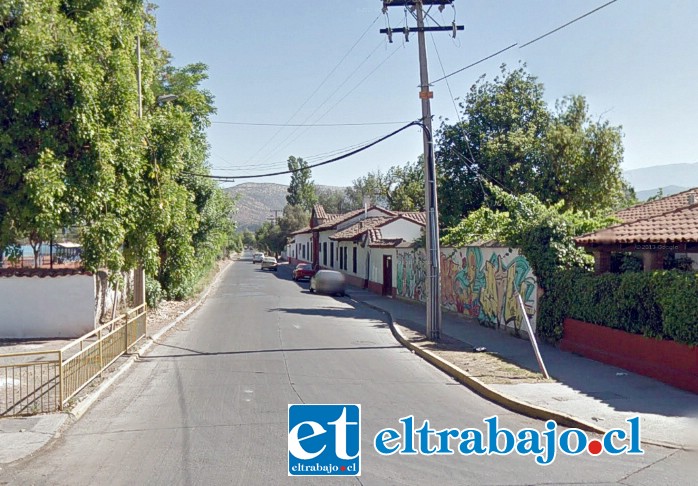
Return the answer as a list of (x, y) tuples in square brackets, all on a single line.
[(333, 200), (270, 238), (293, 219), (248, 238), (509, 136), (405, 186), (75, 152), (543, 234), (301, 191), (372, 187)]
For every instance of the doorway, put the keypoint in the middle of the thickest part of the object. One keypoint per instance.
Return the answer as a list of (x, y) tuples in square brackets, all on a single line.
[(387, 275)]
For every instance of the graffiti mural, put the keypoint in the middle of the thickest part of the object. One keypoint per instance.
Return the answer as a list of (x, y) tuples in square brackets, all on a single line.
[(411, 275), (482, 283)]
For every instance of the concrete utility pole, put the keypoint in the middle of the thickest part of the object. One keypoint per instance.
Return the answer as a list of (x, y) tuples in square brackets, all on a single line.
[(430, 193), (275, 218)]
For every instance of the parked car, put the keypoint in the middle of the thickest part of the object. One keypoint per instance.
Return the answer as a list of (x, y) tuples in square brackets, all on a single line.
[(303, 270), (270, 263), (328, 282), (258, 257)]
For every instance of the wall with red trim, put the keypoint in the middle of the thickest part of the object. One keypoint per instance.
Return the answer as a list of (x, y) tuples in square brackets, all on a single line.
[(667, 361)]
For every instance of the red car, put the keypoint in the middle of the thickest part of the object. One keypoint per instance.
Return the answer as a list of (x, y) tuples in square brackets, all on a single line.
[(303, 270)]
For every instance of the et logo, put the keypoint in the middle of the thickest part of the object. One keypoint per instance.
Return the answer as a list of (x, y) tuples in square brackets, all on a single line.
[(324, 440)]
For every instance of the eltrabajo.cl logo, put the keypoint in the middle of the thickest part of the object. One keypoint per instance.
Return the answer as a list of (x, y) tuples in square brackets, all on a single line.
[(324, 440)]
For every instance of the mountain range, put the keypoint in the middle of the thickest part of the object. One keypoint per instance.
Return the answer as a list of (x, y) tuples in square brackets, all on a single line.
[(256, 202), (670, 178)]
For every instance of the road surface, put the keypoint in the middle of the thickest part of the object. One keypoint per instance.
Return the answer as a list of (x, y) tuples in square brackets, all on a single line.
[(208, 405)]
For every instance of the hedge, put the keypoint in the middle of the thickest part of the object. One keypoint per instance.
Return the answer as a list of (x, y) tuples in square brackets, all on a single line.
[(660, 304)]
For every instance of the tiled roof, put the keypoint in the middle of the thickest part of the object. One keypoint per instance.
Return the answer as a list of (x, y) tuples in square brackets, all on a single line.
[(332, 223), (42, 272), (360, 228), (660, 206), (306, 229), (417, 217), (677, 226), (319, 211)]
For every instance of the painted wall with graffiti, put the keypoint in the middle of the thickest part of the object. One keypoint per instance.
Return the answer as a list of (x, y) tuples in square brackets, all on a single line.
[(480, 282)]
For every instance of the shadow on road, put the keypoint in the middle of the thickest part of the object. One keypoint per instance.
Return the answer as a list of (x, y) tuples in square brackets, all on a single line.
[(194, 353)]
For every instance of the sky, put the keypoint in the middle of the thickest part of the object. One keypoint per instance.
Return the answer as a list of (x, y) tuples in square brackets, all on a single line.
[(278, 61)]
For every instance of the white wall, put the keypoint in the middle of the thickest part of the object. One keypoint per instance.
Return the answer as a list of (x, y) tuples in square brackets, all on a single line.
[(359, 217), (401, 228), (303, 239), (376, 265), (49, 307)]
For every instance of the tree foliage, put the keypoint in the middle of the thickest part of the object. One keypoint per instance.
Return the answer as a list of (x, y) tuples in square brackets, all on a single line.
[(301, 191), (508, 134), (74, 151), (401, 188), (543, 234)]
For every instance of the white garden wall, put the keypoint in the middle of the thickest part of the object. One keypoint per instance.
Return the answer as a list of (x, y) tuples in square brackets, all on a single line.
[(48, 307)]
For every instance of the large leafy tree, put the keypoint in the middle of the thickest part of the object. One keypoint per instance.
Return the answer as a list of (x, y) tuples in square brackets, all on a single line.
[(371, 188), (544, 234), (301, 191), (334, 200), (68, 120), (509, 136), (405, 186), (75, 152)]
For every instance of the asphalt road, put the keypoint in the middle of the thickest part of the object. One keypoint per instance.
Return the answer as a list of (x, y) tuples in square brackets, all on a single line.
[(208, 405)]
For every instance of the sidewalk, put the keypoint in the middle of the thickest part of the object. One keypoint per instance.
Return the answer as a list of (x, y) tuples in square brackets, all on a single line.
[(593, 392)]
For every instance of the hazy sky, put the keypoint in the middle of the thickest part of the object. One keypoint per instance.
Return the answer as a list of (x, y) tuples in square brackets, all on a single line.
[(636, 61)]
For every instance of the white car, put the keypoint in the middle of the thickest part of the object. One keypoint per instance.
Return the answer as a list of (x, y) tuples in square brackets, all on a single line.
[(328, 282), (257, 257), (270, 263)]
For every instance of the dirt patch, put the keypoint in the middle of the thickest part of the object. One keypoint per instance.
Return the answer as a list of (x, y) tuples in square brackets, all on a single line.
[(487, 367)]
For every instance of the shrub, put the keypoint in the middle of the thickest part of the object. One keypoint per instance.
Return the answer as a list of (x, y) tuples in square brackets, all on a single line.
[(153, 292), (658, 304)]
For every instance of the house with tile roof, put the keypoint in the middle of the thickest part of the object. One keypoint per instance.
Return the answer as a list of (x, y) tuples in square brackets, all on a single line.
[(368, 248), (651, 230), (360, 243)]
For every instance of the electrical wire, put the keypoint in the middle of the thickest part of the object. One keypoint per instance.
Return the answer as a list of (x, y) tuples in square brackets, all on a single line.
[(305, 120), (322, 83), (475, 63), (567, 24), (310, 158), (357, 124), (311, 166), (527, 43)]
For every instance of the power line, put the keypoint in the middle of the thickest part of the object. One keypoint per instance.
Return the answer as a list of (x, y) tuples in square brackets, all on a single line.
[(527, 43), (322, 83), (357, 124), (567, 24), (305, 120), (311, 166), (475, 63), (310, 158), (362, 81)]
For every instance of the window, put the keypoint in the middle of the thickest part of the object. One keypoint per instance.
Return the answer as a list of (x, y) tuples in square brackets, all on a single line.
[(341, 259), (303, 252), (324, 253), (332, 254), (346, 254), (353, 259)]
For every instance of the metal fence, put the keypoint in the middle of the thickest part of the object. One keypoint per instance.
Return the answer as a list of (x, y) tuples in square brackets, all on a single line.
[(45, 381)]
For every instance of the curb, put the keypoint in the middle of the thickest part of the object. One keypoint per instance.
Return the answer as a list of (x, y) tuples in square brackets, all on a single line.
[(497, 397), (84, 405)]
